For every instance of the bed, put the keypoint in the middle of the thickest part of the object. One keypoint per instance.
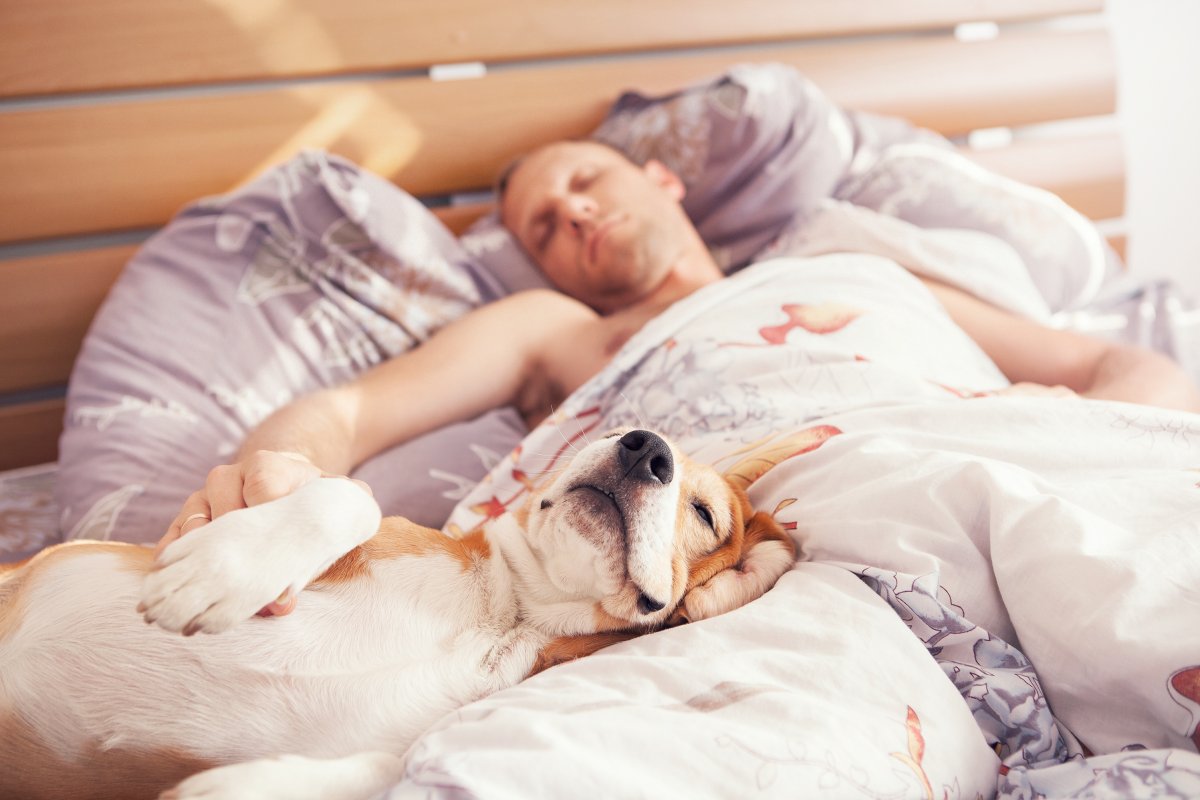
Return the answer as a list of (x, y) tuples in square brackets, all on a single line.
[(977, 613)]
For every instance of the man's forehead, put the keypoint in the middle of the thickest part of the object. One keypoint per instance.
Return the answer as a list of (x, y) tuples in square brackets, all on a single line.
[(558, 155)]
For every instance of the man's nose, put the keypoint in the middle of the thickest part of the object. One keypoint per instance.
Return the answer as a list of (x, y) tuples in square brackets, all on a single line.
[(580, 211)]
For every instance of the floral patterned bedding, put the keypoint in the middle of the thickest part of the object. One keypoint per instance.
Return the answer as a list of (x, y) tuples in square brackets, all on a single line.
[(1044, 551), (28, 513)]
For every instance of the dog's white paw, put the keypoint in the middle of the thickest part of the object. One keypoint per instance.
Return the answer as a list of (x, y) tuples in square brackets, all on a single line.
[(213, 578), (224, 572), (289, 777)]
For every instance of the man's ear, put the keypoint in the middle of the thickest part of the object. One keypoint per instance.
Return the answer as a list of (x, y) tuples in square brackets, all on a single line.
[(662, 176), (767, 553)]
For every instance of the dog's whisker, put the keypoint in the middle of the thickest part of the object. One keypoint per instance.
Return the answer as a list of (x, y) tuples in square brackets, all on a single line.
[(584, 433), (633, 408), (570, 444)]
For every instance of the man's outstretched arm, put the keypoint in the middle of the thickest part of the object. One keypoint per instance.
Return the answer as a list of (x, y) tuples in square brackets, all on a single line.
[(1027, 351), (489, 358)]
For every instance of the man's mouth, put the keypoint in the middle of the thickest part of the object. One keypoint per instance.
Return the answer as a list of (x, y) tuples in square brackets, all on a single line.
[(593, 245)]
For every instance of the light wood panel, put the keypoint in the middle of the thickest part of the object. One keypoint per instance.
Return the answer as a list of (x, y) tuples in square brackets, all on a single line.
[(29, 433), (46, 305), (83, 45), (132, 164), (459, 218)]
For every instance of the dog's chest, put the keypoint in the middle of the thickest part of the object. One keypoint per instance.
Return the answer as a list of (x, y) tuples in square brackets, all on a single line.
[(427, 605)]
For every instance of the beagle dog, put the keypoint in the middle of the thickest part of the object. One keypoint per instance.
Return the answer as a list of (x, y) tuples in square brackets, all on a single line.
[(399, 625)]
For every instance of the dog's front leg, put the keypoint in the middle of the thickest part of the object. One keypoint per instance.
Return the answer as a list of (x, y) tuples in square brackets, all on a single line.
[(224, 572), (363, 775)]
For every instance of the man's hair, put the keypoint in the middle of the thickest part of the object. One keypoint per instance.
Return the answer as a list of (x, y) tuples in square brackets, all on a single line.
[(500, 187)]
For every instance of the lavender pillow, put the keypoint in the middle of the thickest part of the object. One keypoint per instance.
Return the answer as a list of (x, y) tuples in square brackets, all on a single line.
[(760, 147), (1065, 255), (303, 279)]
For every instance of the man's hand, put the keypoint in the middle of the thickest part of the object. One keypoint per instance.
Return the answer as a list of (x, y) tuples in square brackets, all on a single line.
[(1027, 389), (261, 477)]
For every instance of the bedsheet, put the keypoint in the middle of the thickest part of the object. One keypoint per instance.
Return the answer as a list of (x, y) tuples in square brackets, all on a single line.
[(1044, 551), (28, 512)]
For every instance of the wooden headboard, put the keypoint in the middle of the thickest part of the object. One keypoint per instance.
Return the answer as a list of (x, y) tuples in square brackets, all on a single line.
[(114, 115)]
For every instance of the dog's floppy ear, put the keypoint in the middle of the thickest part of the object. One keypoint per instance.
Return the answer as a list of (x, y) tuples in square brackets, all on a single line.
[(767, 552)]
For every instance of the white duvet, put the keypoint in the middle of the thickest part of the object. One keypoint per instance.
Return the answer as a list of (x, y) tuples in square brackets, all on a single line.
[(994, 587)]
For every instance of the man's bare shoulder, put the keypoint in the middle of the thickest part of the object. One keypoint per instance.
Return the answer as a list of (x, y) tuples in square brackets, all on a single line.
[(544, 301), (535, 318)]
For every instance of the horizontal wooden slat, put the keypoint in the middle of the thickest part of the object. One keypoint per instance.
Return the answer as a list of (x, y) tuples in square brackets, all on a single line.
[(29, 433), (84, 45), (131, 164), (1088, 172), (46, 305), (459, 218)]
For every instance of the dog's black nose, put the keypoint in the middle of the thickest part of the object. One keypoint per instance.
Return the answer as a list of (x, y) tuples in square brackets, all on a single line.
[(648, 605), (645, 456)]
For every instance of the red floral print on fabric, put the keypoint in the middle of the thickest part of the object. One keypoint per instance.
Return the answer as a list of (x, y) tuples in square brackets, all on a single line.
[(823, 320)]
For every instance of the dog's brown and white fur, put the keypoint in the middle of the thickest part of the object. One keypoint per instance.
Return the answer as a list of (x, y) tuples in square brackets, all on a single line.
[(394, 630)]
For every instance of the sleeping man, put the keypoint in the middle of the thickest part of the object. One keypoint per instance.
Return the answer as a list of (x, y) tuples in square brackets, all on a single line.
[(613, 237)]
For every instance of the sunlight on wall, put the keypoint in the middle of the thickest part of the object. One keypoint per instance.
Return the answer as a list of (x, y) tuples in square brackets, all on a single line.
[(356, 122)]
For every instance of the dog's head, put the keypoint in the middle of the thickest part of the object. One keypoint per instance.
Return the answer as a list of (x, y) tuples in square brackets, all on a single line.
[(650, 537)]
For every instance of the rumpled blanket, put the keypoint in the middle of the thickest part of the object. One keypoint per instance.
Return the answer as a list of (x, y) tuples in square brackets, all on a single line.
[(1045, 551)]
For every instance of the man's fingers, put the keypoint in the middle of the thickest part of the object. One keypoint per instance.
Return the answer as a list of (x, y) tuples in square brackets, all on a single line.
[(195, 512), (268, 476), (224, 489), (281, 607), (1027, 389), (171, 535), (193, 521)]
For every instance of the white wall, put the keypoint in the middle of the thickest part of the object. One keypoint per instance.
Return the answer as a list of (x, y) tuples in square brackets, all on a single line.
[(1158, 52)]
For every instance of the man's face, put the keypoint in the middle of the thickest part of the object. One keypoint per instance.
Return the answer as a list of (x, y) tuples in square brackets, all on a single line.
[(603, 229)]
